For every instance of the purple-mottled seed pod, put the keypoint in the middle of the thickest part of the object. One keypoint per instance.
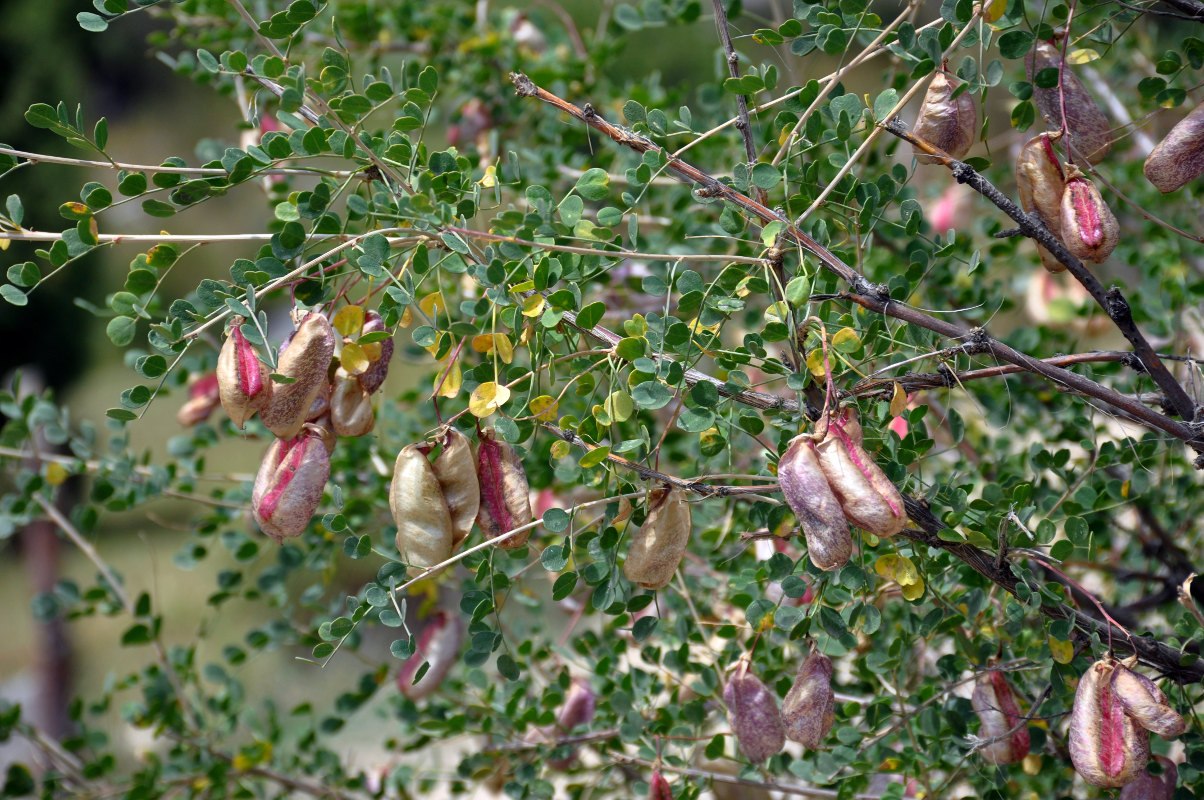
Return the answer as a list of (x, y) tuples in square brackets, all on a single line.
[(658, 787), (1150, 787), (350, 406), (753, 714), (1089, 130), (658, 546), (946, 122), (1089, 228), (809, 496), (242, 379), (867, 497), (1041, 183), (810, 706), (457, 474), (305, 359), (424, 526), (439, 646), (288, 487), (373, 377), (1179, 157), (1145, 703), (505, 493)]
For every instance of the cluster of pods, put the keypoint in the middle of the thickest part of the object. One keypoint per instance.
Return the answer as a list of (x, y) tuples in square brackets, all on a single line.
[(761, 728)]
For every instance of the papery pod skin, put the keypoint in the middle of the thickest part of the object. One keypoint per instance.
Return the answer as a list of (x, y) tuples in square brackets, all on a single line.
[(867, 497), (1150, 787), (1107, 746), (457, 476), (242, 379), (944, 122), (288, 487), (424, 526), (995, 704), (753, 714), (1179, 158), (1041, 183), (806, 489), (658, 546), (1089, 229), (1088, 127), (320, 407), (305, 358), (324, 430), (810, 706), (1146, 704), (659, 788), (351, 411), (437, 645), (204, 395), (578, 709), (505, 493), (373, 378)]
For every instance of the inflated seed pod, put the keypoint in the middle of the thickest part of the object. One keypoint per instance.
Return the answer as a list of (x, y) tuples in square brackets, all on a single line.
[(1145, 703), (945, 122), (1179, 157), (204, 395), (995, 704), (809, 496), (810, 706), (1041, 183), (424, 526), (1107, 746), (437, 645), (242, 379), (1089, 130), (457, 476), (753, 714), (867, 497), (1151, 787), (323, 429), (351, 411), (1089, 229), (658, 546), (658, 787), (578, 709), (505, 493), (373, 377), (305, 359), (288, 487)]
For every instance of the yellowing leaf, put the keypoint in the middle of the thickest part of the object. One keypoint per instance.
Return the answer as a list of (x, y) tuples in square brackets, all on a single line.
[(594, 457), (452, 383), (913, 591), (407, 318), (482, 343), (487, 398), (846, 340), (560, 449), (777, 312), (56, 474), (4, 243), (353, 359), (489, 179), (898, 400), (432, 304), (372, 350), (504, 347), (1031, 764), (815, 362), (993, 10), (901, 570), (543, 407), (1081, 56), (1062, 652), (533, 305), (525, 286), (348, 320), (619, 406)]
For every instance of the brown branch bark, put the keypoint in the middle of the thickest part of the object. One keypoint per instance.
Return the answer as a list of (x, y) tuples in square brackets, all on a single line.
[(733, 68)]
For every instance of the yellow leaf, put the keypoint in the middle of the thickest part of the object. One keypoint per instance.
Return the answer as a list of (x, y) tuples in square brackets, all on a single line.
[(815, 362), (898, 401), (913, 591), (777, 312), (1031, 764), (452, 383), (407, 318), (1081, 56), (353, 359), (533, 305), (348, 320), (560, 449), (487, 398), (4, 243), (372, 350), (993, 10), (489, 179), (885, 566), (482, 343), (846, 340), (1062, 652), (525, 286), (432, 304), (56, 474), (505, 349), (544, 408)]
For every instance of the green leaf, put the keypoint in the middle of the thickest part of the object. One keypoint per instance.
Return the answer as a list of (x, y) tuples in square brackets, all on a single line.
[(121, 330), (13, 295), (158, 208), (644, 627), (94, 23), (570, 209), (1015, 44), (766, 176), (591, 315), (507, 667), (25, 274), (592, 185), (651, 395)]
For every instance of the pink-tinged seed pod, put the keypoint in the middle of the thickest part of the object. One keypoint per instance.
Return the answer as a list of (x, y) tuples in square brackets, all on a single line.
[(659, 788), (867, 497), (305, 359), (350, 406), (1089, 229), (1145, 703), (948, 123), (439, 646), (658, 546), (372, 378), (810, 706), (203, 396), (995, 704), (505, 493), (1107, 746), (242, 379), (457, 476), (424, 526), (289, 485), (1179, 157), (1089, 130), (806, 490), (1150, 787), (1041, 183), (753, 714), (578, 709)]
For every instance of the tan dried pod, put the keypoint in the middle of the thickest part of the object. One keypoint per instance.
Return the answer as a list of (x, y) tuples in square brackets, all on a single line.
[(505, 493), (457, 476), (1107, 746), (1089, 131), (867, 497), (305, 358), (288, 487), (1149, 787), (242, 379), (995, 704), (753, 713), (1041, 183), (806, 490), (1179, 158), (1089, 229), (1145, 703), (424, 526), (945, 122), (810, 706), (658, 546), (351, 411)]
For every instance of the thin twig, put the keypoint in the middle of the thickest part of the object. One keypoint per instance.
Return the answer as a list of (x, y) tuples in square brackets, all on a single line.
[(733, 69), (161, 168)]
